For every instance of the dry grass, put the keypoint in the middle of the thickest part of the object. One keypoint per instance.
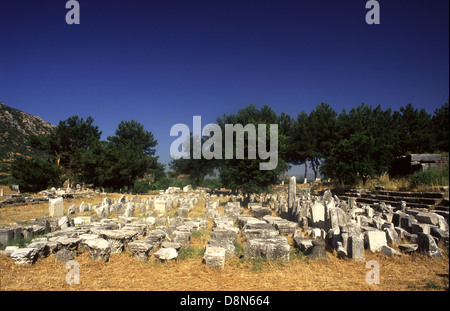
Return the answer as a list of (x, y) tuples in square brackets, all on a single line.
[(123, 272), (11, 214), (6, 190)]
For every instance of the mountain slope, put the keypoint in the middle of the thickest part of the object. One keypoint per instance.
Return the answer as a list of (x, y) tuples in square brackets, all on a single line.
[(15, 126)]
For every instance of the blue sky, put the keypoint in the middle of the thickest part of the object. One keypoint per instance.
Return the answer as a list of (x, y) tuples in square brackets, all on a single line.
[(160, 62)]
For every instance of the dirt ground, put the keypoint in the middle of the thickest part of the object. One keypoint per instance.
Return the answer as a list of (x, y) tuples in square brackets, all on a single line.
[(123, 272)]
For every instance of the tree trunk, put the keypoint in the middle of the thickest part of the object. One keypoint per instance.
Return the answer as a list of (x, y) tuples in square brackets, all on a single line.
[(306, 169), (58, 159)]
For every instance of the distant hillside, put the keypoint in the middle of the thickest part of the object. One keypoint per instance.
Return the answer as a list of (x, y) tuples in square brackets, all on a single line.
[(15, 126)]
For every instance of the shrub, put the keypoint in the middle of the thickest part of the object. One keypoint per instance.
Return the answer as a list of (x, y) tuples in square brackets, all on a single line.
[(33, 175), (212, 184), (430, 177)]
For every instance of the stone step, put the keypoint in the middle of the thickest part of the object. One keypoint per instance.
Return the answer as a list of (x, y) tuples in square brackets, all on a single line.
[(442, 208), (420, 200), (392, 203), (431, 195)]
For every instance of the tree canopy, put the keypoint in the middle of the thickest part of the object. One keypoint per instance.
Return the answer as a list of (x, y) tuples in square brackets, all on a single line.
[(356, 145), (75, 152)]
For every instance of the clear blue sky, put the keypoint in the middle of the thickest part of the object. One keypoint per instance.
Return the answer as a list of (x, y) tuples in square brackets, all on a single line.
[(162, 61)]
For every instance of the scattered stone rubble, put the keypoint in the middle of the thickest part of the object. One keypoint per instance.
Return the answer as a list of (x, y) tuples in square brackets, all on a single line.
[(317, 224)]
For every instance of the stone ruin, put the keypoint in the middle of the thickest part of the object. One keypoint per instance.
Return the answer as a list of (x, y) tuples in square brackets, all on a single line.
[(316, 224)]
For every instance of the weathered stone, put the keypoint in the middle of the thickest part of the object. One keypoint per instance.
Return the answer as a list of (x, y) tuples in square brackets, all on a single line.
[(41, 247), (140, 249), (99, 249), (317, 251), (195, 223), (427, 218), (338, 217), (6, 236), (182, 237), (129, 210), (116, 238), (292, 191), (53, 246), (9, 250), (139, 228), (303, 244), (254, 230), (160, 206), (82, 207), (427, 244), (23, 256), (389, 251), (63, 222), (377, 222), (333, 237), (64, 255), (70, 244), (341, 250), (440, 234), (242, 220), (72, 209), (223, 221), (260, 212), (167, 244), (375, 239), (156, 237), (214, 257), (406, 222), (316, 233), (233, 210), (356, 248), (166, 254), (271, 248), (56, 207), (226, 244), (318, 215), (228, 233), (391, 236), (285, 227), (408, 248), (420, 228)]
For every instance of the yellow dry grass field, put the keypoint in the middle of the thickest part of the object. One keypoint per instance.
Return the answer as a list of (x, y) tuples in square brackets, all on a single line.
[(189, 273)]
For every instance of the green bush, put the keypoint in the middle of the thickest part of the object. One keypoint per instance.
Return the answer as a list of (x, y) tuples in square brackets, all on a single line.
[(141, 187), (33, 175), (212, 183), (430, 177)]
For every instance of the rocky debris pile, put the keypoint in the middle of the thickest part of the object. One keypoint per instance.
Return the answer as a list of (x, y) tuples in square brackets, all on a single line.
[(26, 255), (19, 200), (350, 227), (143, 229), (221, 244), (271, 248)]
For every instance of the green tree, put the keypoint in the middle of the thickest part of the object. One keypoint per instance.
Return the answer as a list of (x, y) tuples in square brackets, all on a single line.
[(197, 169), (129, 155), (33, 175), (245, 174), (322, 129), (301, 142), (374, 122), (359, 156), (415, 130), (441, 128), (66, 142), (286, 133), (94, 164)]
